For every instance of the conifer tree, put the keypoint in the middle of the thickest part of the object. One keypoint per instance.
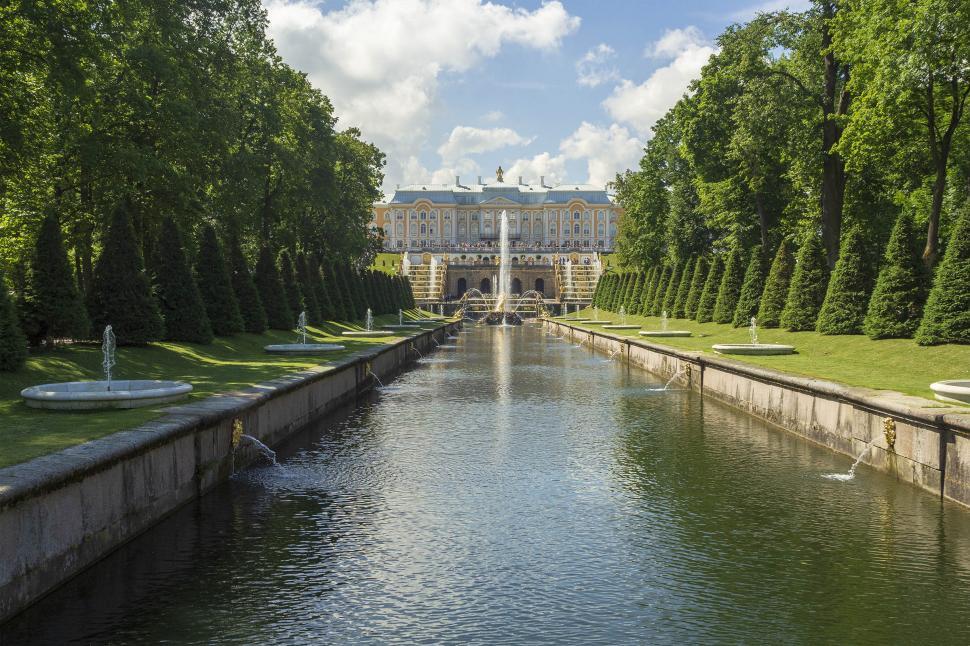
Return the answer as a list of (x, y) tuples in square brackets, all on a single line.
[(597, 291), (247, 296), (271, 292), (696, 287), (847, 298), (635, 279), (656, 303), (644, 290), (808, 284), (896, 306), (649, 292), (305, 279), (321, 289), (670, 294), (705, 305), (611, 284), (636, 302), (121, 293), (179, 300), (617, 297), (336, 288), (730, 288), (683, 288), (13, 343), (408, 292), (615, 287), (946, 318), (215, 286), (291, 286), (53, 307), (776, 287), (751, 289)]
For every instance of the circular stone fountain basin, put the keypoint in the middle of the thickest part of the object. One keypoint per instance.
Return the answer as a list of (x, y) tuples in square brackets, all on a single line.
[(621, 327), (366, 333), (598, 322), (953, 390), (402, 326), (91, 395), (758, 349), (665, 333), (576, 320), (302, 348), (429, 319)]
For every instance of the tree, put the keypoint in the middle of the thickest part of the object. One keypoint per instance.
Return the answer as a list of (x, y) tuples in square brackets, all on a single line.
[(178, 296), (121, 293), (705, 306), (683, 288), (305, 277), (776, 287), (53, 308), (324, 297), (658, 295), (636, 284), (343, 306), (751, 289), (215, 286), (13, 343), (271, 292), (291, 286), (730, 288), (807, 289), (946, 318), (247, 296), (844, 308), (670, 294), (896, 306), (698, 279)]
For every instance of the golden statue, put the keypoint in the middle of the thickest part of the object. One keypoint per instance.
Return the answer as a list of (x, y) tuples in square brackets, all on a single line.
[(498, 175)]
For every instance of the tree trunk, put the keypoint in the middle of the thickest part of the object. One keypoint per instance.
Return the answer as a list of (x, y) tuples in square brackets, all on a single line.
[(763, 224)]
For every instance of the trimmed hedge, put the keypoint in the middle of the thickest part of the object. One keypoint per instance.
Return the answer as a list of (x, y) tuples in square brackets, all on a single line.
[(680, 301), (947, 315), (776, 287), (215, 286), (705, 305), (657, 298), (896, 306), (670, 294), (754, 283), (13, 343), (730, 288), (808, 286), (178, 296), (291, 286), (271, 293), (698, 278), (247, 296), (847, 297)]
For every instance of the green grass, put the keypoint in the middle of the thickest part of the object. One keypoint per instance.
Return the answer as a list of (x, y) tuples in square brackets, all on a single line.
[(387, 262), (889, 364), (230, 363)]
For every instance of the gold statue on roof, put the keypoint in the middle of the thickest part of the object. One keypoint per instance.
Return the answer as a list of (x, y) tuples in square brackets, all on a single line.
[(498, 175)]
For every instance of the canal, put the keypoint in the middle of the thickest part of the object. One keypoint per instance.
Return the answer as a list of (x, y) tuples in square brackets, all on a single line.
[(518, 489)]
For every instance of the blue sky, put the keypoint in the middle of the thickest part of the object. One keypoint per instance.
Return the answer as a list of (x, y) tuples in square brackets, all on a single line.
[(564, 89)]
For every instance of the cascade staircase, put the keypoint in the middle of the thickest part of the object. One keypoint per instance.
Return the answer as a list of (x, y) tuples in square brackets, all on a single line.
[(428, 289), (576, 283)]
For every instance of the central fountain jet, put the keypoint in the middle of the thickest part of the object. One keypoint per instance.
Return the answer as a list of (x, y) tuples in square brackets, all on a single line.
[(504, 312)]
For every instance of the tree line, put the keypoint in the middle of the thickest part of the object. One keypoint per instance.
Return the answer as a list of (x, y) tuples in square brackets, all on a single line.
[(839, 127)]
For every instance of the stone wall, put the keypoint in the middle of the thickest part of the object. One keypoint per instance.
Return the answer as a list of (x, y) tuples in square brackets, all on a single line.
[(917, 440), (62, 512)]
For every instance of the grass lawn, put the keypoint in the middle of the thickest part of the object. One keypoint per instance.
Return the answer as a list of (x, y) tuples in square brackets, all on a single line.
[(230, 363), (387, 262), (889, 364)]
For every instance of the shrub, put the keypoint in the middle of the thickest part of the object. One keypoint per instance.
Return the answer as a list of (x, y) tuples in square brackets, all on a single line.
[(947, 315), (305, 277), (215, 286), (844, 308), (178, 296), (807, 289), (698, 279), (730, 288), (751, 289), (291, 287), (776, 287), (343, 306), (271, 293), (656, 303), (705, 305), (680, 301), (53, 306), (897, 302), (247, 296), (633, 298), (13, 343), (617, 298), (670, 293)]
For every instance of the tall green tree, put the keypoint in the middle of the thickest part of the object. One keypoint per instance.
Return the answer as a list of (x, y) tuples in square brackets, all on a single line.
[(751, 289), (13, 343), (896, 306), (808, 285), (179, 300), (847, 297), (247, 296), (946, 318), (705, 305), (730, 288), (215, 286), (776, 287), (271, 292), (696, 287)]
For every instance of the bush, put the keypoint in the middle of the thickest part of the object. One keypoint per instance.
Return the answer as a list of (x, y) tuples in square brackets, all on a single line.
[(947, 315), (656, 302), (807, 289), (215, 286), (617, 298), (680, 301), (305, 277), (896, 306), (53, 306), (247, 296), (178, 296), (291, 287), (342, 305), (698, 279), (610, 291), (633, 299), (13, 343), (844, 308), (705, 305), (670, 293), (649, 280), (776, 287), (730, 288), (751, 289), (271, 293)]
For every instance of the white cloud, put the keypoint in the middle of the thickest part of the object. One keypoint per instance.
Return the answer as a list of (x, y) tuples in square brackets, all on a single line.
[(553, 168), (641, 105), (466, 140), (595, 67), (380, 60), (606, 151), (749, 12), (493, 116)]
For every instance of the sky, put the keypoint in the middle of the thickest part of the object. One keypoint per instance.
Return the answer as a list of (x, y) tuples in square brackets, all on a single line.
[(565, 89)]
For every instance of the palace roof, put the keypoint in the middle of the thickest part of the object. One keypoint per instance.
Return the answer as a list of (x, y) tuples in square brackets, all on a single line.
[(499, 192)]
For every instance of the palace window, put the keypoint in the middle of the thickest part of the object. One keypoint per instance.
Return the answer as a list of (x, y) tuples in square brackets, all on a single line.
[(576, 229), (586, 231), (424, 216), (424, 227), (600, 230), (575, 215)]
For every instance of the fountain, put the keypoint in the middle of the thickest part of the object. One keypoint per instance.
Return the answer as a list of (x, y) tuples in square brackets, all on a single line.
[(622, 325), (845, 477), (401, 325), (596, 320), (952, 390), (368, 330), (576, 318), (504, 314), (263, 450), (663, 331), (755, 347), (107, 393), (302, 347)]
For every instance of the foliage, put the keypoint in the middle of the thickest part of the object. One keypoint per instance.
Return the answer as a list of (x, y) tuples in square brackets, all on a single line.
[(776, 287), (215, 286), (661, 290), (844, 308), (306, 279), (670, 293), (683, 288), (896, 306), (705, 305), (751, 289), (13, 343), (807, 289), (178, 296), (271, 292), (291, 286), (247, 296), (698, 278), (730, 288), (946, 318)]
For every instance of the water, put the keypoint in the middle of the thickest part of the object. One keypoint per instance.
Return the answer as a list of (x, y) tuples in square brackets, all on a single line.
[(264, 450), (622, 313), (845, 477), (301, 327), (108, 346), (530, 493), (663, 321), (369, 321), (504, 268), (753, 331)]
